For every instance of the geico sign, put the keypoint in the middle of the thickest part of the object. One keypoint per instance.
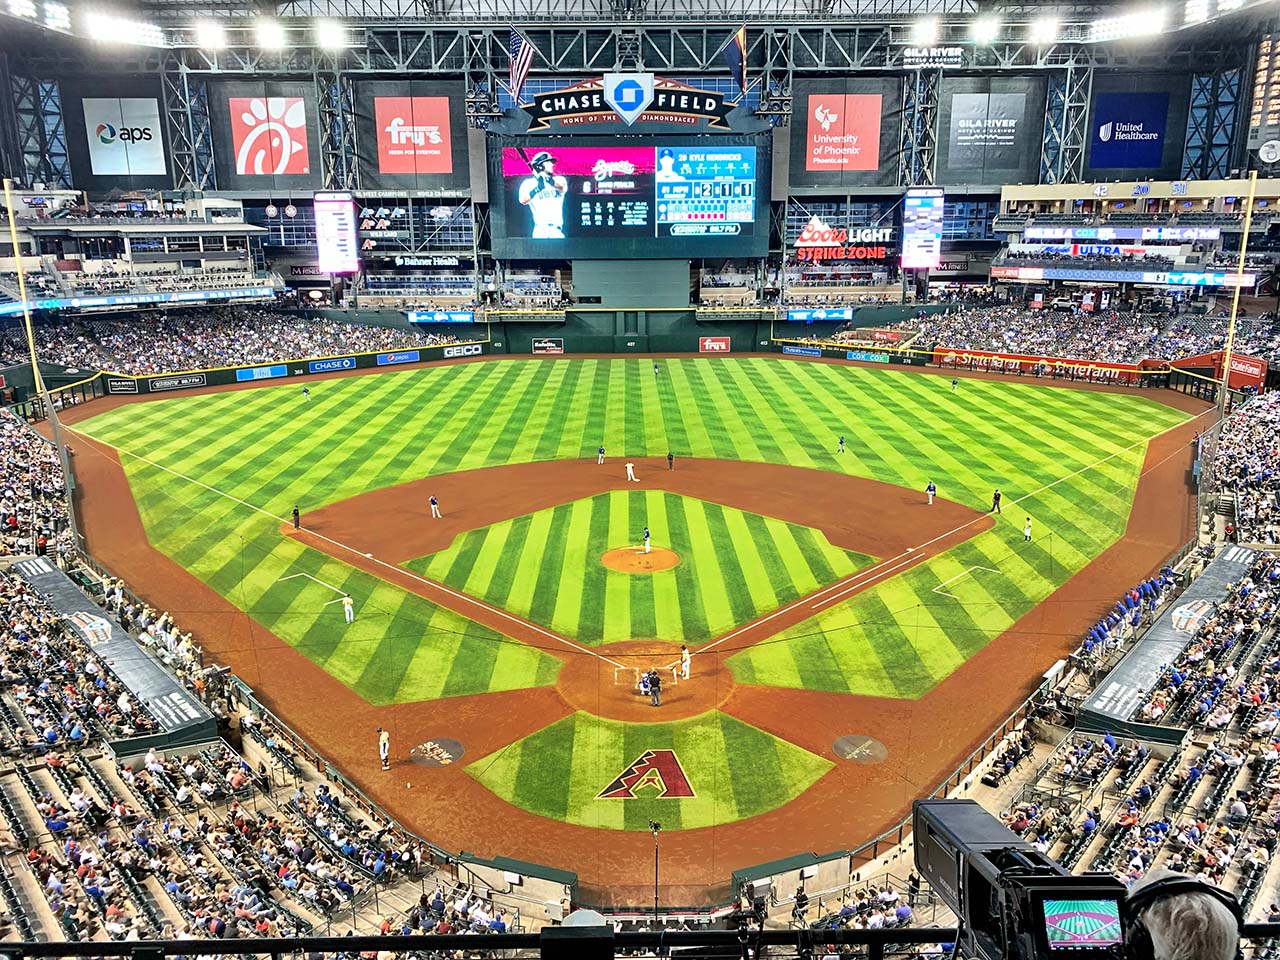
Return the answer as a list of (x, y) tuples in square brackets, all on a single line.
[(108, 133)]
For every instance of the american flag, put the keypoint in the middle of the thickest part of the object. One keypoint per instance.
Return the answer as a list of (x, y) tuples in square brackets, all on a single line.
[(521, 51)]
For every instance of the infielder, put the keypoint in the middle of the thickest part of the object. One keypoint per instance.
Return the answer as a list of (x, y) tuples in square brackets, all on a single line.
[(384, 748), (930, 490), (600, 455), (544, 193), (685, 658), (631, 472), (646, 539), (349, 608), (435, 507)]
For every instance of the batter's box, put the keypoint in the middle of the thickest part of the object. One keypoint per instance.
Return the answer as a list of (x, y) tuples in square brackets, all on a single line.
[(959, 580)]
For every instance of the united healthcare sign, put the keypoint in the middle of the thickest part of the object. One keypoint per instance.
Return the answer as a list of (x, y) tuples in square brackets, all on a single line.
[(1128, 130)]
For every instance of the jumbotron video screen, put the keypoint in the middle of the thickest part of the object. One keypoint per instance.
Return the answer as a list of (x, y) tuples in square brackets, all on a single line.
[(649, 197)]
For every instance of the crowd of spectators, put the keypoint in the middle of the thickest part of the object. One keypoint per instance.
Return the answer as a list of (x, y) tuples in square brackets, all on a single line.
[(217, 337), (1107, 335), (33, 507), (1247, 464)]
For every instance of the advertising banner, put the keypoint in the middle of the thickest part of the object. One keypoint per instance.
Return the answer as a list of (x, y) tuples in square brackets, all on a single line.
[(121, 385), (849, 132), (1246, 371), (124, 136), (265, 134), (402, 356), (1128, 130), (713, 344), (115, 133), (334, 363), (990, 129), (262, 373), (802, 351), (1137, 126), (866, 356), (463, 350), (820, 314), (986, 360), (183, 382), (548, 345), (412, 134), (441, 316)]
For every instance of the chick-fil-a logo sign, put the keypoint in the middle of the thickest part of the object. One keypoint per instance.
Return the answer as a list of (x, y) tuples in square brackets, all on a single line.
[(269, 135)]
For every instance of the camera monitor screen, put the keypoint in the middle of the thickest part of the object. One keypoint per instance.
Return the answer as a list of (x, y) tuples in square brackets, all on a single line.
[(1082, 924)]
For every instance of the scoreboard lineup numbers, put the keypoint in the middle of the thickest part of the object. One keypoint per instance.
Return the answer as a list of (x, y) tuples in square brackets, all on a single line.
[(705, 192)]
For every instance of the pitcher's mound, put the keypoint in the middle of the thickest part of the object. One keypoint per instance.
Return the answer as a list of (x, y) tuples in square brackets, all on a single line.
[(635, 560)]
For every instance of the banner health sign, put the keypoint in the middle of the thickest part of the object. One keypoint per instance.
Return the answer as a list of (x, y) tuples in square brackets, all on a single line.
[(1128, 131)]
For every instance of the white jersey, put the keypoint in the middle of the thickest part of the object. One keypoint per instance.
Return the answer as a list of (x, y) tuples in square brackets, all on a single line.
[(546, 205)]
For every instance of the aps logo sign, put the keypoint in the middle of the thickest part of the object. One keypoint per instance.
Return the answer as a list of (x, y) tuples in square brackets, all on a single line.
[(655, 775), (124, 136)]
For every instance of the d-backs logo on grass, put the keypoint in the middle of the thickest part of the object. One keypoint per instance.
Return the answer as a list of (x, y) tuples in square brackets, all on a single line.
[(656, 775)]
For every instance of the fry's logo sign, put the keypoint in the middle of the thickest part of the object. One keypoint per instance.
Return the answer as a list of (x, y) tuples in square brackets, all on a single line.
[(657, 774), (817, 241)]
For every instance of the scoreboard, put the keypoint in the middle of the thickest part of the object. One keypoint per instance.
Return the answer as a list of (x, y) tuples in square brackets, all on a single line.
[(629, 197)]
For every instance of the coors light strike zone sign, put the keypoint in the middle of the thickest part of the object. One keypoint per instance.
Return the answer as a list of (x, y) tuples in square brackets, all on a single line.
[(820, 242)]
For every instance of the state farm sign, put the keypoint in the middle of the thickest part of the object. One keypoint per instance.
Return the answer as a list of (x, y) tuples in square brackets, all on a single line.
[(820, 242), (713, 344)]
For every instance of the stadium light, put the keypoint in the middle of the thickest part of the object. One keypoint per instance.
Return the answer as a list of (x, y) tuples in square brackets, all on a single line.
[(925, 32), (210, 35), (1044, 31), (110, 28), (1140, 24), (22, 8), (1197, 11), (331, 35), (270, 35), (986, 28), (56, 16), (1225, 6)]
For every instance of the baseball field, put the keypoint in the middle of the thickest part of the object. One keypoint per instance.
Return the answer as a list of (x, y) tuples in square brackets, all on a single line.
[(819, 593)]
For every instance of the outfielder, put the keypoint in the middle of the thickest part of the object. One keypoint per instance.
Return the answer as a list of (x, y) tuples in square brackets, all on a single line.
[(930, 490), (349, 608), (1026, 531), (840, 448), (600, 455), (543, 193)]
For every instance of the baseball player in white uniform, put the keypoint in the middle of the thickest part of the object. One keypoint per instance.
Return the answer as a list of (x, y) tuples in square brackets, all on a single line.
[(435, 507), (544, 193), (685, 658), (631, 472), (646, 539)]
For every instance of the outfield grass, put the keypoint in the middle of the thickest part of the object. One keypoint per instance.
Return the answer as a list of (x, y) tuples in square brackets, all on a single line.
[(734, 566), (266, 448), (735, 770)]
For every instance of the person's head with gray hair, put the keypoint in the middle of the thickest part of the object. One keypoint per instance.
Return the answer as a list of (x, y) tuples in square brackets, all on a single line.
[(1182, 918)]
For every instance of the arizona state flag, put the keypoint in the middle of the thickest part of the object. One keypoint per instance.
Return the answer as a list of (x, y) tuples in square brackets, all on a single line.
[(735, 55)]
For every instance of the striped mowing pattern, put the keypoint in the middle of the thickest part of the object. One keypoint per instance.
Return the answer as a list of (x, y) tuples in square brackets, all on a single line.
[(268, 447), (736, 771), (733, 567)]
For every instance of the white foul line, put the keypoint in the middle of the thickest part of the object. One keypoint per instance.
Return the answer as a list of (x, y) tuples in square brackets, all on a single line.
[(963, 573), (294, 576), (399, 570)]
